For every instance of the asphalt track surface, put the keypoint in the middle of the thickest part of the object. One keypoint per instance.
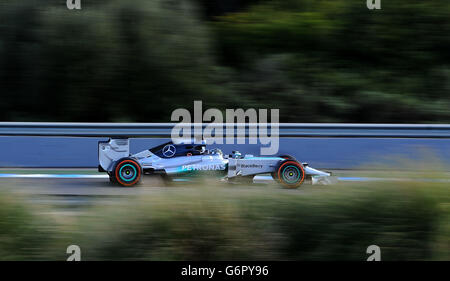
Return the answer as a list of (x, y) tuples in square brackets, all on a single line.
[(74, 192), (88, 182)]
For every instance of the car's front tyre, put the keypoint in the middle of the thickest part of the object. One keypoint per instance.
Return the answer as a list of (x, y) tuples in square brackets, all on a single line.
[(290, 174)]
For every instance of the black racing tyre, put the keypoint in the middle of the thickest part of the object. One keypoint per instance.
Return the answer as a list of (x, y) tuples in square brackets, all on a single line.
[(284, 156), (127, 172), (290, 174), (288, 157), (112, 179)]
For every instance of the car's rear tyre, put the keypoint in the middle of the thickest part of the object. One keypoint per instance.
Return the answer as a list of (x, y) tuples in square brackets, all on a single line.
[(127, 172), (112, 179), (290, 174)]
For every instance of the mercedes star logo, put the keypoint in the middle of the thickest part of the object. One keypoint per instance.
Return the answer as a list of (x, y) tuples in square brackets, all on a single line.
[(169, 150)]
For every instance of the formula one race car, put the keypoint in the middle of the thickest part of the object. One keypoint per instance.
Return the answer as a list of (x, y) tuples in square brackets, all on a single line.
[(176, 159)]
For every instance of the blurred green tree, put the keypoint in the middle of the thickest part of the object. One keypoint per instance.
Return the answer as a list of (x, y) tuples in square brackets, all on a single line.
[(111, 61), (343, 62), (317, 61)]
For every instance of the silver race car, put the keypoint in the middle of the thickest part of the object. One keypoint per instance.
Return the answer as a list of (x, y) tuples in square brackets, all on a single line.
[(172, 160)]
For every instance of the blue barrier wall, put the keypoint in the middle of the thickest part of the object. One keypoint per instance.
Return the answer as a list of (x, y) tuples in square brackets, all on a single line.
[(331, 153)]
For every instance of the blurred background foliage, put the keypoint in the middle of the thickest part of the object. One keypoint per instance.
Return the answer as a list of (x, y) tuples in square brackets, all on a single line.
[(408, 220), (317, 61)]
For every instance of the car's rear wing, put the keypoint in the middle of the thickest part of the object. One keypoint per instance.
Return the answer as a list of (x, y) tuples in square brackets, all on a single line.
[(112, 150)]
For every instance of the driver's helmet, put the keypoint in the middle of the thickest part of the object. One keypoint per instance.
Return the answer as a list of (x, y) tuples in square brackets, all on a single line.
[(236, 154), (216, 151)]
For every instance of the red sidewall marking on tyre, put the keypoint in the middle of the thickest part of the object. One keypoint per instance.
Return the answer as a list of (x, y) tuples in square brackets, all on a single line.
[(116, 172), (297, 165)]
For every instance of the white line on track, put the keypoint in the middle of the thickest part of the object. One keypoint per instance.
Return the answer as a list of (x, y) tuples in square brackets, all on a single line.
[(54, 176), (256, 178)]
